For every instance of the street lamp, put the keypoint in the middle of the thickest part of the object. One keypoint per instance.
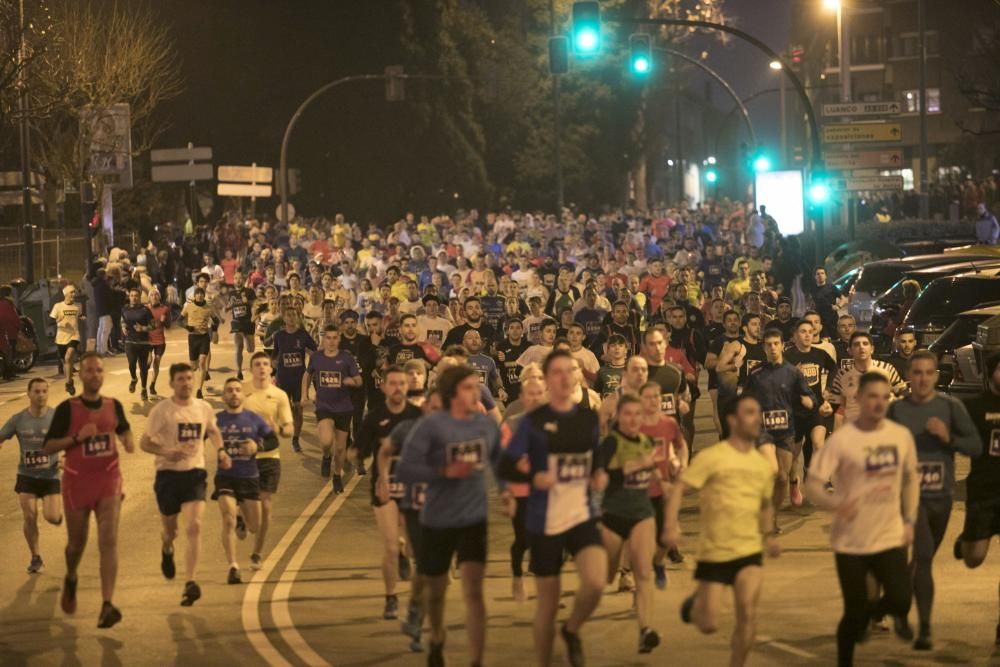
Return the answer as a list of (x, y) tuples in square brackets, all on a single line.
[(831, 4), (775, 65)]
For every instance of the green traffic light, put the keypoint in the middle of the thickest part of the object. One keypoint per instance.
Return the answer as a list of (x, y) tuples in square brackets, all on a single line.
[(762, 163), (586, 28), (640, 65), (819, 193), (711, 176), (587, 40)]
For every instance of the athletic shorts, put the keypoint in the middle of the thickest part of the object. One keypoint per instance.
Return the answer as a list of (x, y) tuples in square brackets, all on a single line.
[(240, 488), (787, 443), (341, 421), (804, 423), (72, 345), (982, 519), (158, 350), (243, 327), (37, 486), (726, 571), (659, 515), (270, 474), (293, 389), (175, 487), (440, 545), (414, 531), (548, 551), (199, 345), (619, 525), (84, 494)]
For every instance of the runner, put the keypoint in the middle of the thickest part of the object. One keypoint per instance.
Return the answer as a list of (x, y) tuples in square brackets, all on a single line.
[(37, 473), (88, 428), (137, 322), (197, 316), (241, 307), (675, 395), (448, 451), (290, 347), (735, 484), (818, 368), (176, 434), (872, 463), (375, 428), (635, 377), (157, 334), (716, 349), (361, 349), (940, 427), (555, 448), (237, 488), (506, 354), (332, 370), (609, 377), (626, 455), (546, 339), (270, 403), (67, 315), (842, 391)]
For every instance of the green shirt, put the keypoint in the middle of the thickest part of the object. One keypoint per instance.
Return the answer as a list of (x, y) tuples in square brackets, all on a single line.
[(630, 466)]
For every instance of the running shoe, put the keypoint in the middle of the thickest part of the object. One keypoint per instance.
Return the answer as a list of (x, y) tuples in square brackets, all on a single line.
[(687, 607), (675, 556), (660, 576), (923, 643), (296, 447), (517, 589), (131, 386), (795, 493), (648, 640), (255, 561), (574, 647), (338, 484), (901, 626), (361, 468), (956, 550), (191, 594), (234, 576), (404, 567), (208, 376), (68, 600), (70, 387), (626, 582), (199, 394), (413, 623), (167, 566), (36, 565), (241, 527), (144, 395), (391, 611), (152, 389), (324, 466), (435, 658), (110, 615), (879, 624)]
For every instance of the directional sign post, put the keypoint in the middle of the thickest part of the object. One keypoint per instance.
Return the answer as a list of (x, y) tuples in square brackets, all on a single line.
[(863, 109), (178, 165), (868, 183), (862, 133), (886, 159), (246, 181)]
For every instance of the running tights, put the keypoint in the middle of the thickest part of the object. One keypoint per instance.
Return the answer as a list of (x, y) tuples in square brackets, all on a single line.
[(928, 533), (889, 569), (137, 352), (520, 544)]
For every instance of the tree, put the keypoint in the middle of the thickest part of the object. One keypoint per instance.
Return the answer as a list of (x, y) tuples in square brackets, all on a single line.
[(35, 34)]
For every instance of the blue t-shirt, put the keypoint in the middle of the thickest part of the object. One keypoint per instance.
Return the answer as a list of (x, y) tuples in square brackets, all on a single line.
[(236, 428), (328, 374), (290, 355), (30, 432)]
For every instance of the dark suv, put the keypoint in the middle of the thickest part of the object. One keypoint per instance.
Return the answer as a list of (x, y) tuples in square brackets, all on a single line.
[(940, 304)]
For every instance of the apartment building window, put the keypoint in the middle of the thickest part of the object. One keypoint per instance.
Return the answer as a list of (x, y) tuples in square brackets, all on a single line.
[(911, 100), (907, 45)]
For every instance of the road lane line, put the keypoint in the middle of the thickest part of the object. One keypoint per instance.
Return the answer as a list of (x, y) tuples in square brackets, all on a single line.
[(251, 599), (787, 648), (279, 597)]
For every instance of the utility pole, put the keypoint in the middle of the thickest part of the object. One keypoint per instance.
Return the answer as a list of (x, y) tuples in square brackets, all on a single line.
[(25, 140), (924, 198), (784, 122), (557, 121), (675, 72)]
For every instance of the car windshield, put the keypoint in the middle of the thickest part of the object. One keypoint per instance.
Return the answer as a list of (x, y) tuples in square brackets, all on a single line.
[(877, 278), (947, 297), (961, 332)]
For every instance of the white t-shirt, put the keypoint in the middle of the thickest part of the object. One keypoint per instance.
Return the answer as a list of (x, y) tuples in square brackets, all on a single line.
[(535, 353), (67, 317), (868, 466), (432, 329), (588, 360), (176, 426)]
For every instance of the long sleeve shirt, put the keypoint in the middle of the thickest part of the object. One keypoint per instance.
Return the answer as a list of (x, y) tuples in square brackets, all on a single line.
[(779, 388)]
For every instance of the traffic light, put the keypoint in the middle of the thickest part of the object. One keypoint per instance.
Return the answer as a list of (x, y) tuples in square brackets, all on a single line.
[(761, 162), (819, 191), (711, 175), (640, 59), (558, 55), (586, 28)]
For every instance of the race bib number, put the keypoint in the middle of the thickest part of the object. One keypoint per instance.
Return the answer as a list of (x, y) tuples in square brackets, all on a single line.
[(775, 420), (291, 359), (931, 475), (435, 336), (659, 450), (240, 311), (715, 271), (637, 480), (847, 364), (572, 468), (34, 460), (470, 451), (98, 445), (811, 373), (329, 379), (513, 374), (232, 448), (667, 404), (403, 356), (188, 432), (881, 459), (418, 495), (995, 442), (397, 489), (752, 364), (533, 330)]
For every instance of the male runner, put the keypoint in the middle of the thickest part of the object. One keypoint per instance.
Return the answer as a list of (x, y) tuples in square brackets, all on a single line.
[(506, 354), (271, 403), (448, 451), (176, 434), (88, 429), (237, 488), (363, 351), (137, 321), (735, 484), (332, 370), (555, 448), (409, 347), (842, 390), (546, 338), (940, 426), (716, 348), (241, 301), (290, 347), (157, 334), (905, 345), (609, 377), (37, 473), (67, 315), (197, 316), (375, 429), (872, 463), (675, 395), (846, 326), (817, 367)]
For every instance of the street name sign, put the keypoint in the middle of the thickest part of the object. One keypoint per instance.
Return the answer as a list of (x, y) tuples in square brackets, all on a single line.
[(859, 133), (862, 183), (248, 174), (178, 165), (862, 109), (887, 159), (244, 190)]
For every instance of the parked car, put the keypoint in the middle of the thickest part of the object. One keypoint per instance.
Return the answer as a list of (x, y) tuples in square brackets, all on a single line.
[(955, 354), (940, 304)]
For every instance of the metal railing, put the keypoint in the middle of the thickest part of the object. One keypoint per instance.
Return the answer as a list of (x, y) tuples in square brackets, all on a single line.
[(57, 253)]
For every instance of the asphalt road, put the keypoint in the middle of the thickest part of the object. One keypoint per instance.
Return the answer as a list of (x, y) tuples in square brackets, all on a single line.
[(318, 599)]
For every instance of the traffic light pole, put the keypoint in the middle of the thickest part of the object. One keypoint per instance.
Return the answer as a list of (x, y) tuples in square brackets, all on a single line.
[(557, 122)]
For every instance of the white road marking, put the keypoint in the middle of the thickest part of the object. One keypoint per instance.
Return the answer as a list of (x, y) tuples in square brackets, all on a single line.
[(787, 648), (279, 598), (250, 612)]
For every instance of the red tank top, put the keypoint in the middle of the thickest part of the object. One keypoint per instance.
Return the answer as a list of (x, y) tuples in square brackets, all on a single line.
[(157, 334), (98, 454)]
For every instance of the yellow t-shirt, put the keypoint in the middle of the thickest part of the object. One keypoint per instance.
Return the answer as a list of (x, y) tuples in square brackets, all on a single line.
[(732, 486), (197, 317), (270, 404)]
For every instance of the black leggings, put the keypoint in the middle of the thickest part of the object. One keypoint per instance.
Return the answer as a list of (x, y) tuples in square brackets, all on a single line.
[(520, 543), (928, 533), (137, 352), (889, 569)]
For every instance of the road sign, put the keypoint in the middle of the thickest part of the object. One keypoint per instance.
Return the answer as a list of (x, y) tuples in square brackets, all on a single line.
[(888, 159), (172, 173), (859, 133), (862, 109), (189, 154), (251, 174), (869, 183), (244, 190)]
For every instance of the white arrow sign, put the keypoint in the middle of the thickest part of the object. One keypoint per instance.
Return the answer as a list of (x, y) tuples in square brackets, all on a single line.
[(862, 109)]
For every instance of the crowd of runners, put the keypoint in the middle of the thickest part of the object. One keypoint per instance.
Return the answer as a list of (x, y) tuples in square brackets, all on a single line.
[(554, 363)]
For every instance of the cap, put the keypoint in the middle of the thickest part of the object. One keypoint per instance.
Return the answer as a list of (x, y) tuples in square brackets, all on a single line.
[(349, 315), (784, 299)]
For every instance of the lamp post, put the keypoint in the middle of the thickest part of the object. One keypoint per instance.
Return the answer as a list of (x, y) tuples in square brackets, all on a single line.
[(843, 41), (776, 66)]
